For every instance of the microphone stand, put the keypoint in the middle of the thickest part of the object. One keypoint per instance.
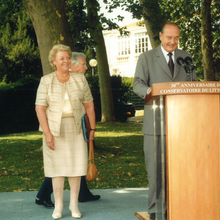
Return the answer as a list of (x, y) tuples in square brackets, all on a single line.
[(189, 70), (187, 65)]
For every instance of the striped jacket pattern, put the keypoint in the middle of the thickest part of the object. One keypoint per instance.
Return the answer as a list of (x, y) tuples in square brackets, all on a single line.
[(51, 92)]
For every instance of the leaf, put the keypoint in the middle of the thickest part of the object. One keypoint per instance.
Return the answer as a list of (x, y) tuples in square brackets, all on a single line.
[(26, 179), (19, 190), (129, 174)]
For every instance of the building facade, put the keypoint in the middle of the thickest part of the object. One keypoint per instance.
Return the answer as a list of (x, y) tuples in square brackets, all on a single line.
[(123, 51)]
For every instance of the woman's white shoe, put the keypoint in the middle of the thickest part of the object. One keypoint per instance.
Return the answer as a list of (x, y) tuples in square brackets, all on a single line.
[(56, 215), (76, 215)]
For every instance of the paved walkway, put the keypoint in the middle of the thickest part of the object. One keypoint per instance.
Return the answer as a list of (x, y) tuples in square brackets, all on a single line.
[(115, 204), (139, 117)]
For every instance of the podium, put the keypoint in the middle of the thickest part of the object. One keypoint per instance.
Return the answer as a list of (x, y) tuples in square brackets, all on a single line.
[(188, 158)]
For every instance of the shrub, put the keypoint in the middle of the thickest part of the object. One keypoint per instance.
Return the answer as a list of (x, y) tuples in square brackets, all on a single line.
[(19, 52), (17, 109), (120, 92)]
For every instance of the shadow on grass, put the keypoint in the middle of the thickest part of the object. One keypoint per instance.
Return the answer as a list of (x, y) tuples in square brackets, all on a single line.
[(119, 158)]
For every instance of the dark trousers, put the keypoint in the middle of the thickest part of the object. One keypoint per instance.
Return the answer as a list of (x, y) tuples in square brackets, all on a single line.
[(46, 189), (84, 191)]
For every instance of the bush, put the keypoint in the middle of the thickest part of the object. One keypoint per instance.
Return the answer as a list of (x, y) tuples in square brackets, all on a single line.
[(94, 86), (17, 109), (120, 92), (18, 45)]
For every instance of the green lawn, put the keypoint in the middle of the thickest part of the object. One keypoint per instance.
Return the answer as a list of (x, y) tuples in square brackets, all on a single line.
[(118, 156)]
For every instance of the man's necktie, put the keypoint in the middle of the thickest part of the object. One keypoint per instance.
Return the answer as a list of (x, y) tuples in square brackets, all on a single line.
[(170, 63)]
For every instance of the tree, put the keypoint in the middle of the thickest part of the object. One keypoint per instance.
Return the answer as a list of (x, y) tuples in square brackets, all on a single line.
[(103, 68), (51, 26), (199, 21), (9, 11), (188, 15), (19, 53), (79, 25), (140, 9), (92, 43), (207, 49), (153, 23)]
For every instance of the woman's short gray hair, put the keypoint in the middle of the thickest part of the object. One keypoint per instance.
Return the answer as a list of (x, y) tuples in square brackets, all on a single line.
[(55, 49), (75, 57)]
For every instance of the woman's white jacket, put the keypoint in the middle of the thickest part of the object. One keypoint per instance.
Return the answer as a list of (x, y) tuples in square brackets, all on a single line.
[(50, 93)]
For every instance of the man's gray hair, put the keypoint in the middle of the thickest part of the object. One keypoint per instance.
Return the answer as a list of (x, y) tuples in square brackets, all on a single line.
[(168, 23), (75, 57)]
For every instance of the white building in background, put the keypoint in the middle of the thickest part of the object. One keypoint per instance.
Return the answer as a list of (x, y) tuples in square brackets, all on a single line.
[(123, 51)]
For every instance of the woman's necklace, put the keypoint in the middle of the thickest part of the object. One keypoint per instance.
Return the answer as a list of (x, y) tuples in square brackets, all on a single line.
[(61, 77)]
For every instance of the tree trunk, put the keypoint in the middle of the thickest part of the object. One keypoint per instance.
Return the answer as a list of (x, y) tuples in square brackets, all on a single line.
[(207, 49), (51, 26), (103, 67), (153, 20)]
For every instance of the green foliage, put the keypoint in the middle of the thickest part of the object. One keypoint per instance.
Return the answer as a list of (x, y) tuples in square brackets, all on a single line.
[(216, 37), (18, 109), (21, 163), (90, 54), (6, 86), (28, 81), (128, 81), (9, 10), (79, 25), (19, 53), (94, 86), (187, 14), (120, 89), (121, 92), (120, 162)]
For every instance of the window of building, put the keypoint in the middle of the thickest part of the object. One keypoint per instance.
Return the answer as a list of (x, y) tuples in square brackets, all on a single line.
[(116, 72), (124, 45), (141, 42)]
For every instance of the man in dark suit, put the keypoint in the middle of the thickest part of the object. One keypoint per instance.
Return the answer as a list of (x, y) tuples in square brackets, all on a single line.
[(78, 64), (154, 67)]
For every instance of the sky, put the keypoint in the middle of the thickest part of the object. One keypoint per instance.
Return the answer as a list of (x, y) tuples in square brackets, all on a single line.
[(128, 16)]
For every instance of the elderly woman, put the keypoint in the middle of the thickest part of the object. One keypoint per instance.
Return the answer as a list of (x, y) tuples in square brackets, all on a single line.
[(63, 97)]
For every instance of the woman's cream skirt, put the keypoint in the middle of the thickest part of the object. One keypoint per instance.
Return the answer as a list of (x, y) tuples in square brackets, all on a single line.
[(70, 155)]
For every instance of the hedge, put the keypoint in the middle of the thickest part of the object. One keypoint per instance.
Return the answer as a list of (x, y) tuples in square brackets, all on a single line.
[(17, 102)]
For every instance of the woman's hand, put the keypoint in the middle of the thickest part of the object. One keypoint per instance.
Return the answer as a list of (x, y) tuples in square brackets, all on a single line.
[(89, 107), (41, 114), (49, 140), (91, 135)]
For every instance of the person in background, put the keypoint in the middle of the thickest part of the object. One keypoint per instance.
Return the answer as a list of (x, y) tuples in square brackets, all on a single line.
[(63, 97), (78, 62), (78, 65), (157, 66), (44, 194)]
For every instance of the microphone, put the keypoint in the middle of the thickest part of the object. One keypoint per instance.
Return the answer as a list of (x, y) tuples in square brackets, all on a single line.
[(182, 63), (189, 61)]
